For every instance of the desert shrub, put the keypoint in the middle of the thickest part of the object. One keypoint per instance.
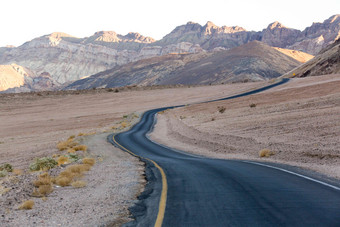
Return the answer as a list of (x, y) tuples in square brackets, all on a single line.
[(78, 184), (265, 153), (81, 134), (89, 161), (252, 105), (73, 157), (63, 160), (80, 148), (221, 109), (27, 205), (7, 167), (213, 119), (71, 137), (125, 116), (44, 163), (116, 90), (3, 173)]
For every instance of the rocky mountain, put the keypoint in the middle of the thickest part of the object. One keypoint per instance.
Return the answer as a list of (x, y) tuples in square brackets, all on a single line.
[(66, 58), (250, 62), (326, 62), (209, 36), (311, 40), (318, 36), (15, 78)]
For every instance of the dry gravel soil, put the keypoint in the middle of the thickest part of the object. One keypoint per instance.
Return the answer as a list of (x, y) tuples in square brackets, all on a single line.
[(299, 122), (32, 124)]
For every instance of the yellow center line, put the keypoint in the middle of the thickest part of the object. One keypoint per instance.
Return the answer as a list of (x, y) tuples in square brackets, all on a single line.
[(162, 201)]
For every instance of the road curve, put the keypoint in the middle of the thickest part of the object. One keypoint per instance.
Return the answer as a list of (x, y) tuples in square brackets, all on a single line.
[(188, 190)]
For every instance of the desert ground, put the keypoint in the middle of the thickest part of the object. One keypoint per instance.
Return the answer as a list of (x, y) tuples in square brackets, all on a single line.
[(33, 123), (298, 123)]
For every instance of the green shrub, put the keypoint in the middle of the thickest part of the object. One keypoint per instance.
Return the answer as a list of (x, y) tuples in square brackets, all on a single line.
[(44, 163), (3, 173), (73, 157), (7, 167)]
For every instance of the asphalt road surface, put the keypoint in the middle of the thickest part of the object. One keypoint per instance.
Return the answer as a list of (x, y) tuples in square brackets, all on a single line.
[(189, 190)]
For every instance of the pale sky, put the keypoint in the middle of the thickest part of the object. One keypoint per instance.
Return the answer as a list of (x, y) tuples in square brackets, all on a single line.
[(23, 20)]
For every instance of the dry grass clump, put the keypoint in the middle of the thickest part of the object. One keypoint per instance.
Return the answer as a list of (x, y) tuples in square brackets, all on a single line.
[(64, 145), (63, 181), (71, 173), (27, 205), (78, 184), (17, 172), (80, 148), (43, 185), (71, 150), (63, 160), (124, 124), (89, 161), (265, 153)]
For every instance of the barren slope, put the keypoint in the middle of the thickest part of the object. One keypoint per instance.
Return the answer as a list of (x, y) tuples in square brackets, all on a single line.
[(250, 62), (298, 121), (326, 62)]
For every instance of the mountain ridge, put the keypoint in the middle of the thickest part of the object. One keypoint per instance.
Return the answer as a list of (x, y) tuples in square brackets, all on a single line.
[(67, 58)]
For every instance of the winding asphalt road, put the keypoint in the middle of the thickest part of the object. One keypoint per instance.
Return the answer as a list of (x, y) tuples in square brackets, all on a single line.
[(188, 190)]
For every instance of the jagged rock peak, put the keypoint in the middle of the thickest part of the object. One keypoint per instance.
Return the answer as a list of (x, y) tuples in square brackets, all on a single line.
[(332, 19), (58, 35), (106, 36), (136, 37), (113, 37), (210, 24), (274, 25)]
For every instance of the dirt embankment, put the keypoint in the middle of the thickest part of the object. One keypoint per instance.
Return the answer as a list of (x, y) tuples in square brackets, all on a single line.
[(298, 122)]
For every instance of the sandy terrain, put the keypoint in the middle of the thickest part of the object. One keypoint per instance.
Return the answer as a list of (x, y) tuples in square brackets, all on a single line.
[(298, 121), (32, 124)]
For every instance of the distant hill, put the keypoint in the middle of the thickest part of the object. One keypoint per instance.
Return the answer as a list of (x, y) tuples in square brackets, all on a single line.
[(250, 62), (326, 62)]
